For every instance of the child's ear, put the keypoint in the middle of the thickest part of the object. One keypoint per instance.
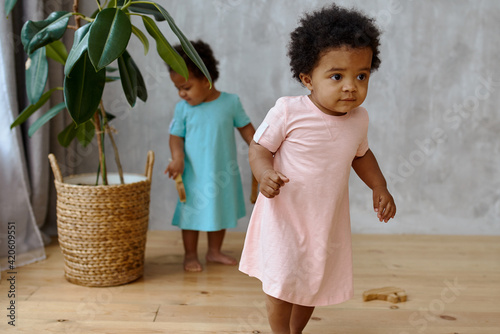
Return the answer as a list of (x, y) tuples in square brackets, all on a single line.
[(306, 80), (207, 83)]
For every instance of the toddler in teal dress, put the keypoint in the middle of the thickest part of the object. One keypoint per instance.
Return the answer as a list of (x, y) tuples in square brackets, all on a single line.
[(203, 148)]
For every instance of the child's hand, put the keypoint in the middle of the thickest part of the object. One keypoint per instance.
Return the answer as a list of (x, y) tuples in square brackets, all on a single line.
[(174, 168), (271, 181), (383, 204)]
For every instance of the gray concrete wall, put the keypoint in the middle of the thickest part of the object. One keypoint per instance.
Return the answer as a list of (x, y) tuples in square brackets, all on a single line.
[(432, 104)]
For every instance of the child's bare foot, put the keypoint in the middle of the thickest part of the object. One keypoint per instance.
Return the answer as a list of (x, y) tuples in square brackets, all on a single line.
[(219, 257), (191, 264)]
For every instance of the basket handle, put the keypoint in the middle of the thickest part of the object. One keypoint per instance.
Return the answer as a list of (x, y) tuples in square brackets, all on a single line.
[(55, 168), (149, 165)]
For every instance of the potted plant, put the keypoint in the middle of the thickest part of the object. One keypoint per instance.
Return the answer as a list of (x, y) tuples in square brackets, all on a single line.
[(102, 224)]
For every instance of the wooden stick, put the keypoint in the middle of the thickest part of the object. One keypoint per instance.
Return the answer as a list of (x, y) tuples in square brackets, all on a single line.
[(180, 188), (390, 293)]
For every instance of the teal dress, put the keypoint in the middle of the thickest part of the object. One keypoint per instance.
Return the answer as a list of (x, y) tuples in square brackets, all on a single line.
[(214, 193)]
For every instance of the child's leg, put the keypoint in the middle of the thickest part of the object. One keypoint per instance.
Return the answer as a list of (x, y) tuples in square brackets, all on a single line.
[(287, 318), (190, 240), (300, 317), (214, 253), (279, 313)]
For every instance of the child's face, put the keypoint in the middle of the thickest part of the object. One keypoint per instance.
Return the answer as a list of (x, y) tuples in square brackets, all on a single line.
[(339, 82), (194, 90)]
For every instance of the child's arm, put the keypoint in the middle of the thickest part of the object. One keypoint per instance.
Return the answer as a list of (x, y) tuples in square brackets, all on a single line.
[(176, 166), (368, 170), (247, 132), (261, 162)]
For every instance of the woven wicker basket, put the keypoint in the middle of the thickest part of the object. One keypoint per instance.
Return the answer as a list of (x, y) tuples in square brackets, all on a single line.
[(102, 229)]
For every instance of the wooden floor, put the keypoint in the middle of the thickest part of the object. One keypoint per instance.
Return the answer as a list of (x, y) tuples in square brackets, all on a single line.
[(452, 282)]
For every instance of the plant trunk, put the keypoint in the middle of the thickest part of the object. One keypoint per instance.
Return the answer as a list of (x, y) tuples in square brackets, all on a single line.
[(100, 145), (75, 9), (102, 127), (115, 148)]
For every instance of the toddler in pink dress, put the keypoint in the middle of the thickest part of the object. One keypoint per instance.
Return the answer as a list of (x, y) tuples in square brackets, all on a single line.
[(299, 237)]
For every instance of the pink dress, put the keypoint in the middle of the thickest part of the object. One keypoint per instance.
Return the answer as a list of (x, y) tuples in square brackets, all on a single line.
[(299, 242)]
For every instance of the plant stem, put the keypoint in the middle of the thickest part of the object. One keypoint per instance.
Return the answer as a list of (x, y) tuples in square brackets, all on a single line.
[(80, 16), (97, 122), (76, 3), (115, 148), (100, 131), (102, 158), (117, 157), (125, 5)]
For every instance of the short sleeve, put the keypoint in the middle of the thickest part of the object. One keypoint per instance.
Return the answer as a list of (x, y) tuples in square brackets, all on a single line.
[(178, 124), (363, 146), (240, 117), (271, 133)]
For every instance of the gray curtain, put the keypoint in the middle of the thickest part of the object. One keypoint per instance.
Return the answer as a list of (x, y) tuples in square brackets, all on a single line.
[(27, 193)]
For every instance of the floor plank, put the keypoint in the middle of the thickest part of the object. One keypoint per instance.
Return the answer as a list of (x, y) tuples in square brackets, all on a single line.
[(452, 284)]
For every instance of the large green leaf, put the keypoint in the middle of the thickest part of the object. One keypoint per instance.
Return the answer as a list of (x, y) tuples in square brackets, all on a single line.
[(85, 133), (57, 51), (128, 76), (110, 117), (142, 92), (112, 79), (185, 43), (51, 113), (165, 50), (132, 80), (36, 34), (29, 110), (9, 4), (108, 37), (136, 31), (37, 72), (80, 45), (147, 8), (83, 90), (66, 136)]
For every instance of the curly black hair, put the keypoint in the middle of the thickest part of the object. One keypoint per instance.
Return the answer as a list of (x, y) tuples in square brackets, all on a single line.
[(206, 54), (331, 27)]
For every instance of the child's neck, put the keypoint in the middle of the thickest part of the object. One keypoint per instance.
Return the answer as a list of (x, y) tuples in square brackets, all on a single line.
[(212, 95)]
